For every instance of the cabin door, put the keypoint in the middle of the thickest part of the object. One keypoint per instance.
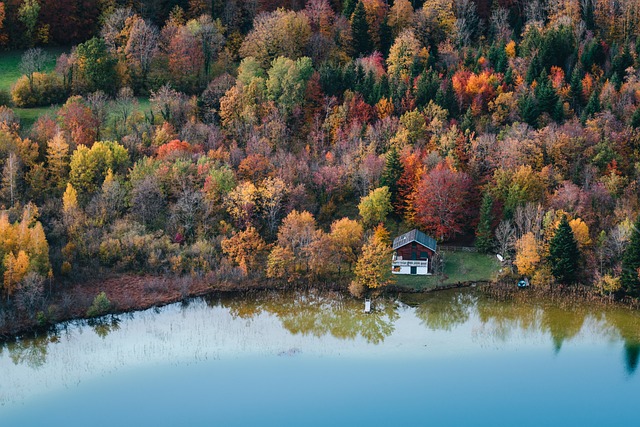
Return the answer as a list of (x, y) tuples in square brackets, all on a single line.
[(414, 270)]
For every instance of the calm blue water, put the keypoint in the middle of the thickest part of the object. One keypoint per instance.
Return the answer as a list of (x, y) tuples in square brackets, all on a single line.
[(316, 360)]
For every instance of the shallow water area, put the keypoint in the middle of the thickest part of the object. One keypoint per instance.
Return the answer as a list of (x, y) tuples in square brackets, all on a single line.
[(314, 358)]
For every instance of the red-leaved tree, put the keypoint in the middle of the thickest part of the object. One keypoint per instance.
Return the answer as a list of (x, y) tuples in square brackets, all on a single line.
[(441, 201)]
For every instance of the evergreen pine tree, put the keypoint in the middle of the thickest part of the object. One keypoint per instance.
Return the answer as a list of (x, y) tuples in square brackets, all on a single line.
[(508, 76), (529, 110), (534, 70), (564, 254), (360, 31), (558, 111), (631, 263), (382, 88), (635, 119), (426, 88), (484, 234), (467, 123), (546, 94), (576, 89), (620, 64), (386, 37), (392, 172), (348, 7), (593, 106), (359, 78), (349, 76), (368, 89)]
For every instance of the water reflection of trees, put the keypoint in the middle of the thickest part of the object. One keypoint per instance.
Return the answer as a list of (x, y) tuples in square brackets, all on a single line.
[(105, 325), (627, 324), (319, 313), (30, 351), (442, 310), (500, 319), (562, 322)]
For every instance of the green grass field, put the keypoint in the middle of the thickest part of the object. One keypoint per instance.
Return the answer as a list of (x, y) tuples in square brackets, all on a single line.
[(29, 115), (10, 65), (458, 267), (10, 72), (143, 103)]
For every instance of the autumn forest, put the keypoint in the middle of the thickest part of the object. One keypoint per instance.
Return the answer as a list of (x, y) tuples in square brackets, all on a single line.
[(266, 141)]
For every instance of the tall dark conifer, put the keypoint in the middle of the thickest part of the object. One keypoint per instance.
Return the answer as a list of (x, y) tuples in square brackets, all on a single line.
[(593, 106), (529, 110), (564, 254), (631, 263), (360, 31), (546, 94), (348, 7), (392, 172), (386, 37), (484, 233)]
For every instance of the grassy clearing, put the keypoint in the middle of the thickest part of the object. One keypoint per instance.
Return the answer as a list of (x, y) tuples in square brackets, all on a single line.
[(458, 267), (143, 103), (10, 65), (10, 72), (29, 115)]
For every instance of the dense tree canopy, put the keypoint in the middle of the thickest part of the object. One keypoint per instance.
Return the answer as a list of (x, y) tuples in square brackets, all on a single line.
[(266, 140)]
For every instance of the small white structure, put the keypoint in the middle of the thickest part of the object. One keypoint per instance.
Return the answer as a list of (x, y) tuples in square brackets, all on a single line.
[(367, 305)]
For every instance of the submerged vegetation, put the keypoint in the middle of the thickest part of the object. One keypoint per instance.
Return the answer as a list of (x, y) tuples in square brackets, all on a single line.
[(290, 142)]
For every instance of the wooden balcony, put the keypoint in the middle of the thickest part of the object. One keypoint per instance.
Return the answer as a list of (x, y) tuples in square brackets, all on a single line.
[(409, 263)]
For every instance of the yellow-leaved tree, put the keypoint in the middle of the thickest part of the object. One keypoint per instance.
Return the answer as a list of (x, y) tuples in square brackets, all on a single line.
[(373, 269), (246, 249), (23, 249), (527, 254), (15, 268)]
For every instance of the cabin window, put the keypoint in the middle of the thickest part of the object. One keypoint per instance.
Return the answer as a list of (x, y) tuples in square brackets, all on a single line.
[(424, 255)]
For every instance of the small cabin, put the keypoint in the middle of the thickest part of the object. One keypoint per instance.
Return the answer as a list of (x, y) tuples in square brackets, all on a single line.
[(413, 253)]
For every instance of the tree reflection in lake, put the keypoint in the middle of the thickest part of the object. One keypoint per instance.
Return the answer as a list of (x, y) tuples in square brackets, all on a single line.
[(332, 314), (627, 324), (319, 313), (562, 324), (501, 319), (104, 325), (442, 310), (31, 351)]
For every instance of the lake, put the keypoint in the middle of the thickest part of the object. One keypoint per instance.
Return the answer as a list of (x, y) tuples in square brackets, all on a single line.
[(454, 358)]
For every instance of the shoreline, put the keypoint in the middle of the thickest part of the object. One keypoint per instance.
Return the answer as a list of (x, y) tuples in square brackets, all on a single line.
[(130, 293)]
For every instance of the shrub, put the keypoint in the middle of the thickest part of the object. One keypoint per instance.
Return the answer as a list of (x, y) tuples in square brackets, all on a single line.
[(47, 89), (8, 116), (5, 97), (101, 305)]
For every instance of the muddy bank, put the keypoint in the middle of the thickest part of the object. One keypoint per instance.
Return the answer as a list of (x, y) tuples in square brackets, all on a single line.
[(132, 293), (128, 293)]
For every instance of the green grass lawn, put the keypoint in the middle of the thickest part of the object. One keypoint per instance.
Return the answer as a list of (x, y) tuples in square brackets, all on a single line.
[(458, 267), (29, 115), (143, 103), (10, 65), (10, 72)]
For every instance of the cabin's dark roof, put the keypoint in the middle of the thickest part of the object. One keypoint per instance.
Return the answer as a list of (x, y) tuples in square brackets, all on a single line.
[(415, 236)]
